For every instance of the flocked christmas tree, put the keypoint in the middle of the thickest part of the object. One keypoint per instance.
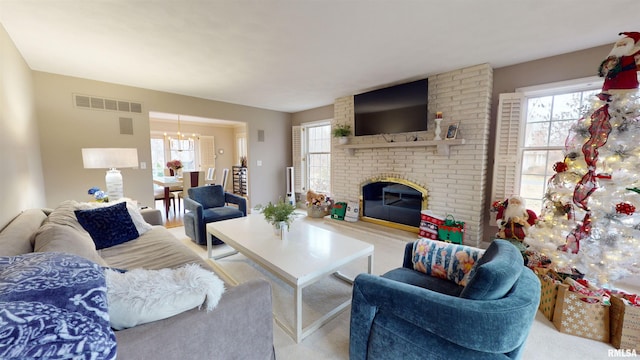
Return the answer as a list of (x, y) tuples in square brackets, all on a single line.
[(590, 219)]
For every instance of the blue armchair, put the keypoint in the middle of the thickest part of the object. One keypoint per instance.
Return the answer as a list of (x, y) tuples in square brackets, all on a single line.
[(408, 314), (207, 204)]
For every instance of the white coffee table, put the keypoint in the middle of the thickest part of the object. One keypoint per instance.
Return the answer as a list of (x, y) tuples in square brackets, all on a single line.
[(308, 254)]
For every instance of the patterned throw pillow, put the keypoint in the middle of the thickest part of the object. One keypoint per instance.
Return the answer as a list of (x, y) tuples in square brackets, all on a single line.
[(108, 226), (53, 306), (444, 260)]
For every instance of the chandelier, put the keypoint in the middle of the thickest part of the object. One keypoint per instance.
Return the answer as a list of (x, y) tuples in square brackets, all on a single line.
[(180, 142)]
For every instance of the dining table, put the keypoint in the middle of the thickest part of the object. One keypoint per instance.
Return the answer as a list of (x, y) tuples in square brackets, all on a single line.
[(169, 182)]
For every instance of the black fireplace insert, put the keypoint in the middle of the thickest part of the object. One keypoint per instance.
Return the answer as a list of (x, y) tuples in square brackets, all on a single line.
[(392, 202)]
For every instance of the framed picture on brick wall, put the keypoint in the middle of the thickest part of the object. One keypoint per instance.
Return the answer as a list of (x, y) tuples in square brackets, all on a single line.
[(452, 131)]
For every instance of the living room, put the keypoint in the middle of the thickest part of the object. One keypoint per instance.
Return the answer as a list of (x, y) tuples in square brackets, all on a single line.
[(42, 132)]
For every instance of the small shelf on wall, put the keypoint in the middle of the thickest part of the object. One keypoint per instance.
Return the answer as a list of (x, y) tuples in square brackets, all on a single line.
[(442, 146)]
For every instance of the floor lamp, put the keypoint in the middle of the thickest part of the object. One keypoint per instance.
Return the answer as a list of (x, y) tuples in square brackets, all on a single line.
[(111, 158)]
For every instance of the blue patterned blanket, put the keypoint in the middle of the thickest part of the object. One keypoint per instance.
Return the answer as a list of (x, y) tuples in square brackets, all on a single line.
[(53, 306)]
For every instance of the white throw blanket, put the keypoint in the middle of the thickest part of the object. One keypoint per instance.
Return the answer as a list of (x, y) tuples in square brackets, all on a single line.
[(139, 296)]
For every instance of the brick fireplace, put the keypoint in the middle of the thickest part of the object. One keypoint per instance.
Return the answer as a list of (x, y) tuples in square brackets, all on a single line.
[(456, 182)]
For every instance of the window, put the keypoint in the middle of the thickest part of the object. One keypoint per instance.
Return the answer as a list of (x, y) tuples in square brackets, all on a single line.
[(319, 158), (311, 144), (548, 119), (241, 146), (531, 131), (157, 156), (164, 149), (185, 151)]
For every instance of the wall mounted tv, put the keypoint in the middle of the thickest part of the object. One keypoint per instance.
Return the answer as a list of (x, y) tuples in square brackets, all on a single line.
[(396, 109)]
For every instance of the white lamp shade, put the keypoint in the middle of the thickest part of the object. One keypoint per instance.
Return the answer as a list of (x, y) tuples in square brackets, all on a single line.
[(109, 158)]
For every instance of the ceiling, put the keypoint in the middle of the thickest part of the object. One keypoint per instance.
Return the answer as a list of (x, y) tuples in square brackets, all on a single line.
[(293, 55)]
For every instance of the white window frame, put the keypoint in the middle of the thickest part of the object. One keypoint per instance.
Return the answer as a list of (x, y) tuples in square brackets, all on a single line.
[(167, 149), (300, 155), (512, 112)]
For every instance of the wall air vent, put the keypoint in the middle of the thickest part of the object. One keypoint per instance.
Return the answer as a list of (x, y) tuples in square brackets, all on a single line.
[(110, 105), (136, 108), (83, 101), (98, 103)]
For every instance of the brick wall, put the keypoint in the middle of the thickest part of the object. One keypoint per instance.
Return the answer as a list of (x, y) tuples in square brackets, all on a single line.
[(456, 182)]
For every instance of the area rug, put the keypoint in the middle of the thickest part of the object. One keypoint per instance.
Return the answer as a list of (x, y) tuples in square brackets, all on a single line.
[(324, 295), (317, 299), (332, 340)]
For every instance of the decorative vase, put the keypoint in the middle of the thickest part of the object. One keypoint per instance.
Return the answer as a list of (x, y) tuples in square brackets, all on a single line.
[(438, 130), (280, 230), (343, 140)]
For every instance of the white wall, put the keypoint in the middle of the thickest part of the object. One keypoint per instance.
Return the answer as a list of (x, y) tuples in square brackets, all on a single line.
[(21, 181), (66, 129)]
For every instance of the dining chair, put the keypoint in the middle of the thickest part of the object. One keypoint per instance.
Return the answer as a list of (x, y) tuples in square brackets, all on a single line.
[(189, 179), (158, 194), (225, 175), (211, 173)]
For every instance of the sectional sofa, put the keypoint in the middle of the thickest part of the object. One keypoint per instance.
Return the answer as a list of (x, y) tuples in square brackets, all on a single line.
[(239, 327)]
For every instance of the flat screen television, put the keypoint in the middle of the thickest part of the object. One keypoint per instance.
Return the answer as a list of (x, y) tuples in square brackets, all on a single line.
[(396, 109)]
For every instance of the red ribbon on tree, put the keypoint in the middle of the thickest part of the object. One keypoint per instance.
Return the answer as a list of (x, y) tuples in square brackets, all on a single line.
[(599, 130), (577, 234), (584, 189)]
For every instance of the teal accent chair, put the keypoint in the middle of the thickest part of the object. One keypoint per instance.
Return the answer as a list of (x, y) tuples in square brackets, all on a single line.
[(407, 314)]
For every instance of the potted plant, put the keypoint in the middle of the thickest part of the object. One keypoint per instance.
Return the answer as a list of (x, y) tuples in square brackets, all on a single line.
[(341, 131), (280, 215)]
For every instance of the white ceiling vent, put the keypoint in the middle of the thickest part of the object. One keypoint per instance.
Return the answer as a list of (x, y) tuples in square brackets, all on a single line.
[(98, 103)]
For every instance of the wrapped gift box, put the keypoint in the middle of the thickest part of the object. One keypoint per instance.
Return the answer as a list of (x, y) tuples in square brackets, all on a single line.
[(549, 282), (353, 211), (338, 210), (429, 223), (574, 316), (625, 324)]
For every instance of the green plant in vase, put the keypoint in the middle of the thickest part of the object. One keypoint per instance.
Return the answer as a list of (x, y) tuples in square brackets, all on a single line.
[(341, 131), (279, 214)]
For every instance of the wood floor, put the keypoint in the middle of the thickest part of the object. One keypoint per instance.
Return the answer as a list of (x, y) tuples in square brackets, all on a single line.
[(175, 217)]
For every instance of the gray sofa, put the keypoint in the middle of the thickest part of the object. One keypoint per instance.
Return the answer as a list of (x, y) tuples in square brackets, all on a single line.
[(240, 327)]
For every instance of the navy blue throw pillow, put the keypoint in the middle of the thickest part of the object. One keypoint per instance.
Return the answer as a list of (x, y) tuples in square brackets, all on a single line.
[(109, 225)]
